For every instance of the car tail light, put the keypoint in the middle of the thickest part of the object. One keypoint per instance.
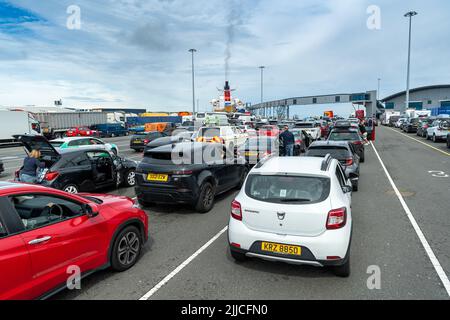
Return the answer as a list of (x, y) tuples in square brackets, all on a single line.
[(336, 219), (50, 176), (333, 258), (182, 173), (146, 141), (349, 161), (298, 141), (236, 211), (236, 245), (358, 142)]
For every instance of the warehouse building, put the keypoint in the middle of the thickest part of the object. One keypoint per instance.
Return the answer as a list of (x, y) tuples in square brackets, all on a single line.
[(429, 97)]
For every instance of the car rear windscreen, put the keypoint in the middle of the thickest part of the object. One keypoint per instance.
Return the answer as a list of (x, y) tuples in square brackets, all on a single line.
[(304, 125), (210, 132), (287, 189), (343, 136), (336, 152)]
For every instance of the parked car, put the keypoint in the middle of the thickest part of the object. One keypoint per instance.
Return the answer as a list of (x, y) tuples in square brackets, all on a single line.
[(302, 141), (269, 131), (400, 122), (230, 136), (2, 168), (191, 173), (182, 137), (393, 120), (342, 151), (295, 210), (438, 130), (45, 232), (351, 135), (311, 128), (448, 140), (110, 130), (257, 148), (82, 142), (139, 140), (411, 125), (79, 170), (81, 131), (423, 125)]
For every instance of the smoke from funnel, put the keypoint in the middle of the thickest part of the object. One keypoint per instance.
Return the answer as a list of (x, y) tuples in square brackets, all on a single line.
[(233, 18)]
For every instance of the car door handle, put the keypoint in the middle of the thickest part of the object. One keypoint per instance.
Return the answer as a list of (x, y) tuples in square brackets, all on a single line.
[(39, 240)]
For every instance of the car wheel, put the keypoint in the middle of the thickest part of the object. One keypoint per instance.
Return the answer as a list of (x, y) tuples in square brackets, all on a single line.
[(427, 136), (130, 178), (71, 188), (242, 179), (343, 270), (355, 187), (434, 138), (205, 201), (114, 150), (239, 257), (362, 158), (126, 249)]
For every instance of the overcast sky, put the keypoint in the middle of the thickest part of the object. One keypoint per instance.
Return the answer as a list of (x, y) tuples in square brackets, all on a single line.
[(134, 53)]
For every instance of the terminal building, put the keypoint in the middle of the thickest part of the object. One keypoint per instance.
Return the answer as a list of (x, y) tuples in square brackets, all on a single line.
[(429, 97)]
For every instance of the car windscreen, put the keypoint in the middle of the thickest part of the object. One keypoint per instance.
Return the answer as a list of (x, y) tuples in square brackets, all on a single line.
[(343, 136), (287, 189), (210, 132), (56, 144), (445, 124), (335, 151)]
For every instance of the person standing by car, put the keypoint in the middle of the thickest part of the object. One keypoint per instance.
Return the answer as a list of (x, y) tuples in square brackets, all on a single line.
[(362, 128), (31, 164), (288, 140)]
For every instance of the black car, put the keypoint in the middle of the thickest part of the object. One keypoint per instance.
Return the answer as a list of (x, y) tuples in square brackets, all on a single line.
[(342, 151), (423, 125), (448, 140), (190, 173), (256, 148), (181, 137), (140, 140), (79, 170), (2, 168), (349, 135), (411, 125)]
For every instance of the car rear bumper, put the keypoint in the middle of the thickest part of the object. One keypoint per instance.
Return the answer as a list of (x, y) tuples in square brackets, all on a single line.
[(315, 250), (169, 193)]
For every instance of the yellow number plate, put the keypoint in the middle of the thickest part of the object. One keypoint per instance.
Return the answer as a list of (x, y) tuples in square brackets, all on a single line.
[(251, 154), (157, 177), (281, 248), (137, 141)]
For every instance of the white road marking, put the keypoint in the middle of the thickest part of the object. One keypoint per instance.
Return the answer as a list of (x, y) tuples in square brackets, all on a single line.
[(182, 266), (435, 262), (417, 140)]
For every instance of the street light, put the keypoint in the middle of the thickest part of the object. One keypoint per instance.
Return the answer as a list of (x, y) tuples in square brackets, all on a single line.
[(409, 15), (193, 84), (378, 92), (262, 87)]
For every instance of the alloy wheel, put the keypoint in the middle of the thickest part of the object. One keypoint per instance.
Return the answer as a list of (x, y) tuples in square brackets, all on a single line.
[(128, 249), (71, 189), (131, 178), (209, 197)]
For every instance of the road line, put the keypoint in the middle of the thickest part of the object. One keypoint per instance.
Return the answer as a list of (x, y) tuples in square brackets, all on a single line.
[(434, 261), (417, 140), (182, 266)]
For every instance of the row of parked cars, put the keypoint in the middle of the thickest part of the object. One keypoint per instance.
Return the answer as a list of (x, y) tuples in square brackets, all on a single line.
[(436, 129), (290, 209)]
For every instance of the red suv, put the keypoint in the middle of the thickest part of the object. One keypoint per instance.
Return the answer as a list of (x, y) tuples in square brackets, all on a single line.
[(47, 235), (81, 131)]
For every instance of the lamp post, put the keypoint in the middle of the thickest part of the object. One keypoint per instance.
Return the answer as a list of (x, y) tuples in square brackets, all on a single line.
[(409, 15), (193, 84), (378, 92), (262, 85)]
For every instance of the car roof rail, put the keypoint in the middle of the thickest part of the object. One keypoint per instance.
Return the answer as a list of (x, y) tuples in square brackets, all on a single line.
[(326, 162)]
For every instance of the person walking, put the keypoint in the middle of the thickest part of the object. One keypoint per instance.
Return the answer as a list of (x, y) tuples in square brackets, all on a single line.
[(31, 164), (288, 140)]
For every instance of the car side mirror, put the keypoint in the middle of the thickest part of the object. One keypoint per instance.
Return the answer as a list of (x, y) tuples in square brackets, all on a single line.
[(91, 210), (347, 189)]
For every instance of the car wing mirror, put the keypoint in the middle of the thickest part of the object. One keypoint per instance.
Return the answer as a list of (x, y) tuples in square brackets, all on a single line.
[(91, 210), (347, 189)]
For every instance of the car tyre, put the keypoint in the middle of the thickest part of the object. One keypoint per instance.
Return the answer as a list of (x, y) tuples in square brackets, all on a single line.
[(362, 158), (237, 256), (355, 187), (71, 188), (205, 201), (126, 249), (244, 174), (130, 178), (145, 204), (434, 138), (343, 271)]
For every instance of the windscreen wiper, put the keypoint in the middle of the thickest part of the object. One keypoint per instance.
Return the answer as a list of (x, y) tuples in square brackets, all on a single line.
[(295, 200)]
